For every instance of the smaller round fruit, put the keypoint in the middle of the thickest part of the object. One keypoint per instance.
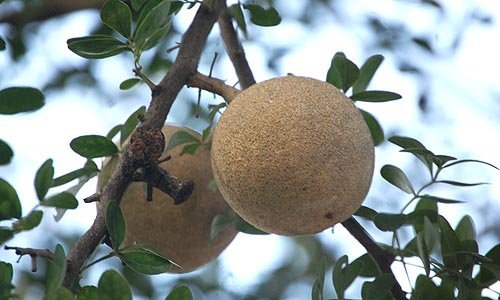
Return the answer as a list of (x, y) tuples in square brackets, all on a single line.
[(293, 156), (181, 233)]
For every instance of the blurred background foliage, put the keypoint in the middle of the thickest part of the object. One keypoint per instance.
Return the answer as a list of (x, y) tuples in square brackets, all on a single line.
[(413, 35)]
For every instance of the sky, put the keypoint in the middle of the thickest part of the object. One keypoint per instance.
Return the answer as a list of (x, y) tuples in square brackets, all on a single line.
[(463, 121)]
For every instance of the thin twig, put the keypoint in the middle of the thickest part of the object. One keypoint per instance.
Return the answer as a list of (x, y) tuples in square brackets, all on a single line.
[(213, 85), (235, 50), (33, 253), (383, 259)]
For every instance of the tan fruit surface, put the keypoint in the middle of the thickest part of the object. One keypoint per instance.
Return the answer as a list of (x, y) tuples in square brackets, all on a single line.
[(181, 232), (293, 156)]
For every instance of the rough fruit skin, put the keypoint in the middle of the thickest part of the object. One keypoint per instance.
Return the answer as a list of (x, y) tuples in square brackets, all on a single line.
[(293, 156), (180, 233)]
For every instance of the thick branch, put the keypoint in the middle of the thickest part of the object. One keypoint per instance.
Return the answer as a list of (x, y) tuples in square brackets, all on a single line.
[(164, 95), (383, 259), (213, 85), (235, 50)]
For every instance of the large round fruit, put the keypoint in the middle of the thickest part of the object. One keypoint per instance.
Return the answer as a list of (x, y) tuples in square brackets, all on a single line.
[(181, 233), (293, 156)]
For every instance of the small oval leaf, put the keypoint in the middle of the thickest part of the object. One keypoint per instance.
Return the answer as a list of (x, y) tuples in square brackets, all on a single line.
[(261, 16), (366, 73), (55, 273), (441, 200), (117, 16), (219, 224), (245, 227), (154, 19), (129, 83), (15, 100), (181, 137), (145, 261), (113, 286), (10, 206), (6, 153), (97, 46), (375, 96), (43, 179), (397, 177), (181, 292), (343, 72), (390, 222), (92, 146), (64, 200), (85, 171), (29, 222), (115, 223), (375, 129), (466, 230)]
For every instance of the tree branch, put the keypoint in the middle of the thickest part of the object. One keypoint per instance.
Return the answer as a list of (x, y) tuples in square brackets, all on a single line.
[(213, 85), (33, 253), (163, 97), (383, 259), (235, 50)]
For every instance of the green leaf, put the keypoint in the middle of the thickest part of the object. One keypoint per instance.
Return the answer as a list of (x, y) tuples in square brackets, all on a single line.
[(181, 137), (97, 46), (114, 131), (117, 16), (245, 227), (375, 129), (153, 19), (156, 37), (261, 16), (456, 183), (88, 292), (410, 143), (55, 273), (450, 244), (319, 283), (375, 96), (92, 146), (425, 288), (43, 179), (219, 224), (466, 230), (115, 223), (212, 185), (489, 273), (112, 285), (129, 83), (180, 292), (16, 100), (6, 153), (470, 160), (366, 73), (370, 267), (366, 212), (6, 275), (145, 260), (378, 289), (423, 253), (441, 200), (430, 234), (5, 235), (343, 72), (390, 222), (64, 200), (344, 274), (29, 222), (190, 149), (237, 13), (85, 171), (131, 123), (317, 290), (397, 177), (10, 206)]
